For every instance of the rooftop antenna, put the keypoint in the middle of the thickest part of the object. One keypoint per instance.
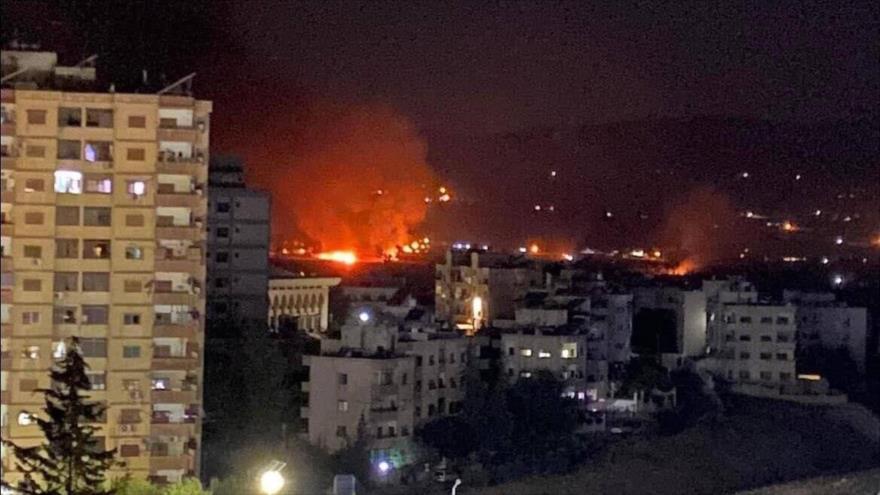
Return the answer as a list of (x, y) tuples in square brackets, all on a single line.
[(87, 62), (183, 80), (15, 74)]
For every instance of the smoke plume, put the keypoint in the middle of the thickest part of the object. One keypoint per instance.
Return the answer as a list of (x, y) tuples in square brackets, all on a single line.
[(356, 178), (701, 227)]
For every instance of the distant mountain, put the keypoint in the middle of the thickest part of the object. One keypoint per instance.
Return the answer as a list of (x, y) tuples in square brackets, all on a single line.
[(637, 169)]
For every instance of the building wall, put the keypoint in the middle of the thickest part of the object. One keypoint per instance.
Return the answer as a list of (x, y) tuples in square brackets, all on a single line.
[(439, 385), (835, 326), (370, 395), (524, 354), (136, 305), (304, 298), (690, 311), (759, 344), (238, 246)]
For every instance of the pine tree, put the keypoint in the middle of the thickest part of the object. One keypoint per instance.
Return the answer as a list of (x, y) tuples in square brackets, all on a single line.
[(69, 461)]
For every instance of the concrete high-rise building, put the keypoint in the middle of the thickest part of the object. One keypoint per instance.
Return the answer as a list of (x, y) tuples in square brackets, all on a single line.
[(103, 235), (238, 247), (759, 344)]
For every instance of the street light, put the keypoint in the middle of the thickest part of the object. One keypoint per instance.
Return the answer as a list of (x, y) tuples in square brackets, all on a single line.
[(271, 481), (384, 467), (455, 485)]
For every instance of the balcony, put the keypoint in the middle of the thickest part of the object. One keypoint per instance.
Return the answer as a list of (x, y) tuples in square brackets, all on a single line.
[(176, 298), (170, 462), (181, 330), (383, 414), (189, 199), (173, 429), (185, 134), (169, 157), (164, 417), (174, 396), (191, 232)]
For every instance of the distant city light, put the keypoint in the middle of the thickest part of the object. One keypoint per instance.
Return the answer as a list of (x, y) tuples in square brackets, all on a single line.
[(838, 240), (744, 175), (534, 249), (567, 257), (817, 212), (552, 173), (797, 177), (364, 316), (838, 280), (522, 250), (825, 260), (537, 207)]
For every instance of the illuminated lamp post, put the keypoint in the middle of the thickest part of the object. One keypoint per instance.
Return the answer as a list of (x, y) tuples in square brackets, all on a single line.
[(271, 480)]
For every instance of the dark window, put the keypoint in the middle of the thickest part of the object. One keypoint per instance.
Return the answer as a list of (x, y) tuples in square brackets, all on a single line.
[(222, 232), (66, 215), (96, 348), (223, 207), (96, 216)]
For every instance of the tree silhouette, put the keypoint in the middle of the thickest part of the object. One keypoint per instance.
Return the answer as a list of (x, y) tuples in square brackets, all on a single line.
[(69, 462)]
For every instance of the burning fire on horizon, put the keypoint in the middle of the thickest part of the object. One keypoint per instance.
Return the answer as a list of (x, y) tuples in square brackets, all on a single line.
[(356, 185)]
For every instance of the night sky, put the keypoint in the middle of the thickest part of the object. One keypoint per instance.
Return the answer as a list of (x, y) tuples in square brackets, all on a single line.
[(601, 91)]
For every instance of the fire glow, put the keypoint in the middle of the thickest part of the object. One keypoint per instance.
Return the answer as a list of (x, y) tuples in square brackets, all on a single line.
[(345, 257)]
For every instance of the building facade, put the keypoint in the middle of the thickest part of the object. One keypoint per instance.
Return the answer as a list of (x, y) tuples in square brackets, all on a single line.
[(523, 353), (238, 247), (103, 238), (688, 308), (305, 300), (759, 344)]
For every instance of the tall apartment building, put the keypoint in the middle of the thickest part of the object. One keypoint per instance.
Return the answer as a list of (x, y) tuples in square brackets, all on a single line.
[(720, 293), (103, 238), (687, 310), (238, 246), (523, 353)]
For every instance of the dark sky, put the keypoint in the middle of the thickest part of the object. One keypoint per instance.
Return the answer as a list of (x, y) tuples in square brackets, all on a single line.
[(463, 70)]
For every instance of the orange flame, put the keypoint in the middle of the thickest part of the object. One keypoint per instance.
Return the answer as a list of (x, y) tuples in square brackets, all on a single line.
[(684, 267), (345, 257)]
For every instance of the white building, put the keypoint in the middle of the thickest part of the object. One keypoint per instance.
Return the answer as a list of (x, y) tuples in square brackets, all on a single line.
[(759, 344), (718, 294), (304, 299), (824, 322), (688, 310)]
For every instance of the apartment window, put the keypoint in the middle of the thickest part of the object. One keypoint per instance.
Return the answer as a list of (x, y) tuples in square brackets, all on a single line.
[(342, 405), (766, 320), (766, 338), (98, 151), (542, 354), (27, 385), (525, 352), (129, 450), (63, 315), (766, 376), (131, 319), (32, 285), (34, 185), (66, 248), (30, 318), (781, 356), (96, 216), (69, 149), (66, 281), (223, 207), (222, 232), (59, 350), (134, 220), (96, 249), (66, 215), (341, 431), (137, 121), (35, 151), (97, 379), (130, 416), (745, 338), (418, 361), (431, 360), (101, 184), (93, 347), (221, 282), (94, 315), (782, 337), (782, 320), (134, 253), (744, 375), (68, 182), (131, 351), (69, 117), (33, 218), (745, 319), (222, 257), (32, 352), (784, 376), (404, 379), (132, 285), (418, 411), (136, 187), (33, 252), (36, 117), (511, 351), (96, 282), (99, 117), (745, 355), (766, 356), (135, 154)]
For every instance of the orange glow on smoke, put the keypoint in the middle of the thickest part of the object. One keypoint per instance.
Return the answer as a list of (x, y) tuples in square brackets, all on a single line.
[(686, 266), (344, 257), (789, 226)]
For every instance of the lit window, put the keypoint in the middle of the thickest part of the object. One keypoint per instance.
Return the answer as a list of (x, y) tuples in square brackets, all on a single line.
[(25, 418), (32, 352), (136, 187), (525, 374), (342, 405), (525, 352), (59, 350), (542, 354), (569, 351), (68, 182), (134, 253), (91, 154), (102, 185), (161, 383)]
